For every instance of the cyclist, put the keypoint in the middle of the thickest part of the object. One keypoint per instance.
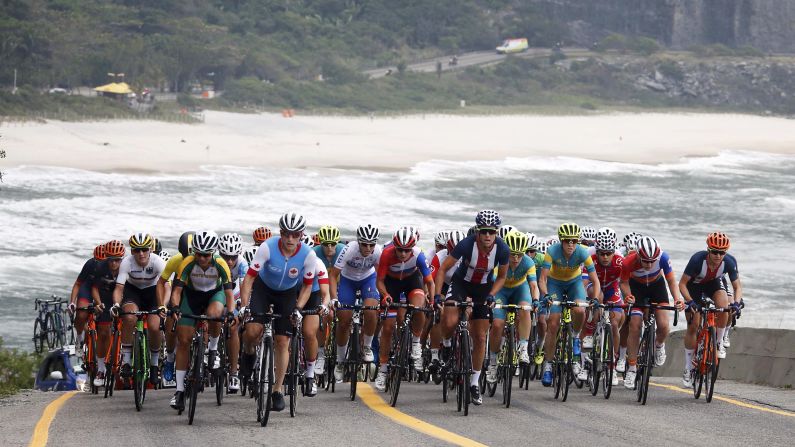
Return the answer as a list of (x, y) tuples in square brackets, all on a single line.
[(81, 294), (440, 241), (402, 271), (644, 274), (536, 249), (278, 266), (261, 234), (327, 251), (164, 284), (608, 269), (473, 279), (230, 246), (203, 287), (561, 277), (355, 266), (702, 277), (319, 299), (438, 259), (102, 294), (504, 230), (520, 288), (136, 289)]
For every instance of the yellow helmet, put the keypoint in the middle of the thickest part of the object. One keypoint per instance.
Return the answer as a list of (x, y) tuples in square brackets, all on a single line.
[(328, 233), (517, 242), (569, 230), (141, 240)]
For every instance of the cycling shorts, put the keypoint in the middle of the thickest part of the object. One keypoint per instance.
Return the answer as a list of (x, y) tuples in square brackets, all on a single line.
[(348, 288), (708, 289), (399, 289), (573, 290), (283, 302), (145, 299), (512, 295), (461, 289), (613, 296), (655, 292), (196, 303)]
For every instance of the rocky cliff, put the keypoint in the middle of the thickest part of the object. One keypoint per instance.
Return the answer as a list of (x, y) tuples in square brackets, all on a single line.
[(764, 24)]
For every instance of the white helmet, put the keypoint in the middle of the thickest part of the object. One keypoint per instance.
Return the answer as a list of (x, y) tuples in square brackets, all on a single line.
[(230, 244), (205, 242), (504, 230), (367, 233), (248, 255), (164, 255), (292, 222), (588, 234), (307, 240), (404, 238), (553, 240), (631, 240), (441, 237), (532, 241), (605, 239), (454, 238), (542, 247), (648, 249)]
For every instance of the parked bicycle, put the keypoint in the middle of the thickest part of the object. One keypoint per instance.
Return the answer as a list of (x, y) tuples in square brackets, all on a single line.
[(48, 328)]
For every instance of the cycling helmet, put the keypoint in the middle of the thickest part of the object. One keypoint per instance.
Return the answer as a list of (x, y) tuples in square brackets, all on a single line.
[(185, 243), (718, 241), (141, 240), (115, 249), (488, 219), (453, 240), (504, 230), (292, 222), (569, 230), (329, 233), (307, 240), (248, 255), (416, 232), (99, 252), (631, 241), (367, 233), (261, 234), (605, 239), (588, 234), (157, 247), (472, 230), (230, 244), (532, 241), (316, 239), (517, 242), (552, 241), (542, 247), (648, 250), (404, 238), (164, 255), (441, 237), (205, 242)]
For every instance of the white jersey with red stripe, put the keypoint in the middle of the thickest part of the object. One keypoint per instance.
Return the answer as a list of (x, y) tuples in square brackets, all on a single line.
[(477, 266), (441, 255)]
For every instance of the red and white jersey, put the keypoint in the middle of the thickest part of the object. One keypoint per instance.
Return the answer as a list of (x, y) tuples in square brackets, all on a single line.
[(441, 255), (353, 265), (610, 276), (390, 265)]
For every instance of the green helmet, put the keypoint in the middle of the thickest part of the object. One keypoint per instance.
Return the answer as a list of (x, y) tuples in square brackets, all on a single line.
[(569, 230), (328, 233), (517, 242)]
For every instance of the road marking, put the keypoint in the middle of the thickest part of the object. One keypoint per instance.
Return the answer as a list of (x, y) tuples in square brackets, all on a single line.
[(42, 430), (726, 399), (377, 404)]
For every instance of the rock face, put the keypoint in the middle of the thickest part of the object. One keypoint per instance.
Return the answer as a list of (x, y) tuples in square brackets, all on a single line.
[(763, 24)]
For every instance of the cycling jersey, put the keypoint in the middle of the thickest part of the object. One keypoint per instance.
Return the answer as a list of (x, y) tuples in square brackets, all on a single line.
[(140, 276), (610, 276), (699, 273), (85, 279), (538, 260), (563, 269), (353, 265), (279, 272), (632, 268), (438, 259), (328, 262), (476, 267), (172, 266), (321, 275), (389, 265), (105, 283), (217, 274), (526, 270)]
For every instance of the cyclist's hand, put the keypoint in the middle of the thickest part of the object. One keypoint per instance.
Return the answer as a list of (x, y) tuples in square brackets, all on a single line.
[(535, 304), (335, 303), (386, 301), (692, 305), (437, 301), (99, 308), (680, 304), (162, 311), (322, 310), (176, 312), (114, 310), (547, 299), (72, 308), (490, 300), (736, 309), (237, 303), (630, 299), (297, 317)]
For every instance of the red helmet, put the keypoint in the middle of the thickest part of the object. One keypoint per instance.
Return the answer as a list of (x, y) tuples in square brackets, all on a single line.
[(405, 238), (718, 241), (261, 234), (99, 252), (115, 249), (316, 239)]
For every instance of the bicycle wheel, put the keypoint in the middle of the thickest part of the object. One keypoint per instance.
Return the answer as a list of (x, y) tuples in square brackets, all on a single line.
[(49, 328), (569, 356), (91, 357), (595, 368), (38, 336), (220, 373), (266, 380), (259, 378), (139, 377), (292, 374), (70, 329), (400, 361), (712, 364), (60, 329), (353, 360), (557, 364), (509, 367), (607, 361), (648, 366), (466, 369), (197, 376)]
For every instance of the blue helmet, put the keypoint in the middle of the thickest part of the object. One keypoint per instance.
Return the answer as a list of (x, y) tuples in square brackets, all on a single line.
[(488, 219)]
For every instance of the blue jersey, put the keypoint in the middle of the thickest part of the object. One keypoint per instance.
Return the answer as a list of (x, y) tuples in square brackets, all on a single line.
[(279, 272), (476, 266), (699, 273), (319, 253), (524, 272)]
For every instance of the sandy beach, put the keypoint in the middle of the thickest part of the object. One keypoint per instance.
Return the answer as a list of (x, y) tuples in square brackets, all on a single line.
[(385, 143)]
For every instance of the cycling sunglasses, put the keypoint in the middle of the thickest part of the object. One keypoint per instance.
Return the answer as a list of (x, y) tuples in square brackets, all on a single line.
[(491, 231), (718, 252), (139, 250)]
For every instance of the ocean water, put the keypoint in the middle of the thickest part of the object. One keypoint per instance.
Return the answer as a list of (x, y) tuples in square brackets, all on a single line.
[(51, 218)]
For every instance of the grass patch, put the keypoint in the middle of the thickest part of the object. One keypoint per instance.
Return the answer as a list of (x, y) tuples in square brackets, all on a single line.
[(17, 369)]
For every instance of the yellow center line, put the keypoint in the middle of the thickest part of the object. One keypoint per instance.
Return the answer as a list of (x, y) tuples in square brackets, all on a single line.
[(727, 400), (42, 430), (377, 404)]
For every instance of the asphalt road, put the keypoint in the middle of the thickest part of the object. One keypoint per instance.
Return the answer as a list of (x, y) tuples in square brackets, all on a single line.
[(741, 414)]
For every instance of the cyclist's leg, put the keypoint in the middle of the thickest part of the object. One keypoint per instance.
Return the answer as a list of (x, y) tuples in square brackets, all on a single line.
[(498, 324), (555, 292), (721, 299), (693, 322), (576, 292), (215, 309), (479, 326), (617, 317), (309, 327), (347, 297), (370, 297), (640, 292), (659, 295), (449, 319), (104, 321), (185, 330), (131, 302), (149, 302), (521, 297)]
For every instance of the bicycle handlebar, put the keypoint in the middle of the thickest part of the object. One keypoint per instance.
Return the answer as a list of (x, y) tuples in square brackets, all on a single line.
[(569, 304), (356, 307), (410, 306), (513, 307), (659, 307)]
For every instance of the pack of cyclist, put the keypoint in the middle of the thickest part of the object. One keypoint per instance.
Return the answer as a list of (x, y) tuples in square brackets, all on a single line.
[(489, 265)]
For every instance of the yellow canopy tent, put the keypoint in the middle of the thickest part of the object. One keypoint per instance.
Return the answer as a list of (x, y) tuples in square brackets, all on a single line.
[(114, 88)]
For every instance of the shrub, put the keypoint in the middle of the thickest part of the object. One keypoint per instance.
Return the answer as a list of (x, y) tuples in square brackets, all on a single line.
[(17, 369)]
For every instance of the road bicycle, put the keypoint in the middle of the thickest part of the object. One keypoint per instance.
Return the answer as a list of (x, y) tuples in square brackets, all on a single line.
[(563, 360), (354, 362), (508, 357), (705, 359), (140, 355), (400, 365), (645, 363)]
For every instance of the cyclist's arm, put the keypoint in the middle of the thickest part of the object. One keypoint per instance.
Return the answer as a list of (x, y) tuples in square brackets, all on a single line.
[(542, 281), (95, 295), (738, 290), (596, 287), (333, 279), (117, 293), (672, 286), (683, 287), (75, 290), (176, 293), (625, 290), (230, 298), (161, 291), (502, 273), (324, 293), (303, 296), (533, 289), (448, 263), (245, 289)]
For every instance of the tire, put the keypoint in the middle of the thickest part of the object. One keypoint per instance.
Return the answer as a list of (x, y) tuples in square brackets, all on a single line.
[(401, 358), (607, 362), (567, 366), (712, 366), (353, 360), (197, 375), (60, 329), (49, 329), (220, 375), (91, 356), (139, 382), (466, 357), (509, 368), (39, 336), (698, 376), (292, 374), (648, 367), (557, 365)]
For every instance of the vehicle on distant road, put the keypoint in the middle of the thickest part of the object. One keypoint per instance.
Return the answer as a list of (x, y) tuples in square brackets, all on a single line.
[(512, 46)]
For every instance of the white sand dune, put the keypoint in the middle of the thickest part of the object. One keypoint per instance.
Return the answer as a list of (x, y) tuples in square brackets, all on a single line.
[(388, 143)]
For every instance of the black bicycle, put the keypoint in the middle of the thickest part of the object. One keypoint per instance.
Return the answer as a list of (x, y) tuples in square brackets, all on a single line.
[(400, 363), (295, 378), (646, 349), (563, 360), (48, 328), (264, 374), (458, 371), (601, 363), (353, 362), (508, 357)]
